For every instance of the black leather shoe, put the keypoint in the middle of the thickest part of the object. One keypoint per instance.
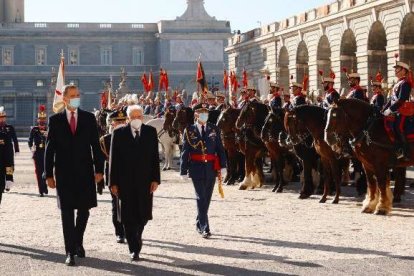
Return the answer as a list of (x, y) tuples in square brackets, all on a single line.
[(199, 230), (206, 235), (70, 260), (134, 257), (80, 252), (41, 195), (120, 239)]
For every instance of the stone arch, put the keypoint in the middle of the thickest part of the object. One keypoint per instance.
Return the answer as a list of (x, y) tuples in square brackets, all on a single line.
[(407, 39), (377, 51), (323, 57), (302, 60), (348, 55), (283, 68)]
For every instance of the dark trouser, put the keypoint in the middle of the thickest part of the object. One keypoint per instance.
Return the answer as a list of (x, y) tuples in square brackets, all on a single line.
[(204, 190), (119, 228), (73, 232), (1, 195), (133, 233), (39, 169)]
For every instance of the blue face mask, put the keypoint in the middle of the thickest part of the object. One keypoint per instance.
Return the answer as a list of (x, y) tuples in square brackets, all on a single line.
[(203, 117), (75, 102)]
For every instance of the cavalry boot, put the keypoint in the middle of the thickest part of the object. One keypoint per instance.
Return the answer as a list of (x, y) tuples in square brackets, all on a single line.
[(403, 153)]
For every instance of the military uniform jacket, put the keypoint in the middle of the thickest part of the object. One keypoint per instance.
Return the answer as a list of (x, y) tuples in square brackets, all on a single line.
[(38, 139), (357, 93), (298, 100), (9, 129), (276, 102), (242, 104), (378, 101), (6, 159), (331, 97), (193, 143), (400, 94)]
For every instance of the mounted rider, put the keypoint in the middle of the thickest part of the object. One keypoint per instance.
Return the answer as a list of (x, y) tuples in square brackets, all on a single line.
[(378, 99), (400, 95), (275, 100), (331, 95)]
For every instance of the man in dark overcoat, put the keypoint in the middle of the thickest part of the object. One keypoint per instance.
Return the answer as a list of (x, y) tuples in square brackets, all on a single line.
[(73, 164), (134, 175)]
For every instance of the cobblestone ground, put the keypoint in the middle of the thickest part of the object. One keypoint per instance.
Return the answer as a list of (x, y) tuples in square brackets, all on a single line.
[(254, 233)]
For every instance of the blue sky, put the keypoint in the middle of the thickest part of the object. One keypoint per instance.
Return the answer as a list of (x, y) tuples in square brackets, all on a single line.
[(244, 15)]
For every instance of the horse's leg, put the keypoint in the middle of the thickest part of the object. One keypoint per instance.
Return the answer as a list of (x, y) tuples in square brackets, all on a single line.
[(336, 176), (229, 169), (259, 168), (384, 205), (400, 181), (248, 171), (280, 164), (327, 179), (307, 187), (371, 199)]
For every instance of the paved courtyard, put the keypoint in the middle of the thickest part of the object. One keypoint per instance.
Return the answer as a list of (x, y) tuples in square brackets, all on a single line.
[(254, 233)]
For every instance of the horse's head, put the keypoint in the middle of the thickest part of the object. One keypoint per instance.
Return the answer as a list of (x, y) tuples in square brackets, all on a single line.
[(253, 114), (183, 118), (169, 119), (336, 127), (227, 120), (273, 126), (213, 116), (295, 128)]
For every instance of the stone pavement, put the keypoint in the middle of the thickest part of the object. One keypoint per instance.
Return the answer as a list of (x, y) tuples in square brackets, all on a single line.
[(254, 233)]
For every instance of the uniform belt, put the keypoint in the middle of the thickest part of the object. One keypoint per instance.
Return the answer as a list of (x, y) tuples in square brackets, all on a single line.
[(206, 158)]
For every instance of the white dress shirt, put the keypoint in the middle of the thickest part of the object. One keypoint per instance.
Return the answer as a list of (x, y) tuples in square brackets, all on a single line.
[(69, 115), (133, 131), (199, 127)]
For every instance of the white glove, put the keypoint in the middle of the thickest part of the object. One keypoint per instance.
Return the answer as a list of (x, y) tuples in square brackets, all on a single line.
[(387, 112), (9, 184), (223, 172), (33, 149)]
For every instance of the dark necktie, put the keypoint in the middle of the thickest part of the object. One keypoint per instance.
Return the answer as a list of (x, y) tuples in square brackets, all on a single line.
[(73, 123), (203, 132), (136, 136)]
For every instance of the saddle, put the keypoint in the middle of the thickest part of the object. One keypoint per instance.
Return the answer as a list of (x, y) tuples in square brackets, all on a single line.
[(405, 124)]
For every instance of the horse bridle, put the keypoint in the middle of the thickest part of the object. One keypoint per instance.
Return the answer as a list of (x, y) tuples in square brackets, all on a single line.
[(302, 137)]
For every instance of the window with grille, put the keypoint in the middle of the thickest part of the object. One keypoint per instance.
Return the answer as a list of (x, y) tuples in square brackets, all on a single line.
[(8, 55), (106, 56), (40, 55)]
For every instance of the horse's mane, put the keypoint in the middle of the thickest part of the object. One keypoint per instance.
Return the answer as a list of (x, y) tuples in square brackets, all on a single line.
[(262, 111), (355, 105), (313, 112)]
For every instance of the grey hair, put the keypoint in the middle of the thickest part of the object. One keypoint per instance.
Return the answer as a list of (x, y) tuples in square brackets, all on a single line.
[(67, 87), (133, 108)]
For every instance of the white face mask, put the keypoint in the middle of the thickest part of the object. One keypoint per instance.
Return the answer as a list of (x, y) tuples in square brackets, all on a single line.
[(136, 124), (203, 117)]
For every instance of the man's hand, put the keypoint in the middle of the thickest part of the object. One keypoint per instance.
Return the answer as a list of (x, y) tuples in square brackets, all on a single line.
[(154, 187), (115, 190), (387, 112), (51, 182), (98, 177)]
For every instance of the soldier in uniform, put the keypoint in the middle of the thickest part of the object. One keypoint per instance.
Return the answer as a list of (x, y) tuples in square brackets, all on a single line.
[(211, 101), (298, 97), (286, 101), (9, 129), (6, 162), (356, 91), (251, 91), (179, 102), (331, 95), (221, 101), (117, 119), (275, 100), (37, 143), (244, 98), (203, 158), (400, 94), (378, 99)]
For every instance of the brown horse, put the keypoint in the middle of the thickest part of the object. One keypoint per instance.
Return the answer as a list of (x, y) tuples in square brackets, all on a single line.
[(168, 125), (227, 125), (183, 118), (372, 146), (250, 122), (306, 120), (272, 127)]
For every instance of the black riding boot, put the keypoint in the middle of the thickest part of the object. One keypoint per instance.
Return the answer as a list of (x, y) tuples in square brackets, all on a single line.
[(403, 152)]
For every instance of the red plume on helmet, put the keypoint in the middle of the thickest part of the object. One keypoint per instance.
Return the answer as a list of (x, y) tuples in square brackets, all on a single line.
[(332, 74), (42, 108), (321, 73), (379, 77)]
